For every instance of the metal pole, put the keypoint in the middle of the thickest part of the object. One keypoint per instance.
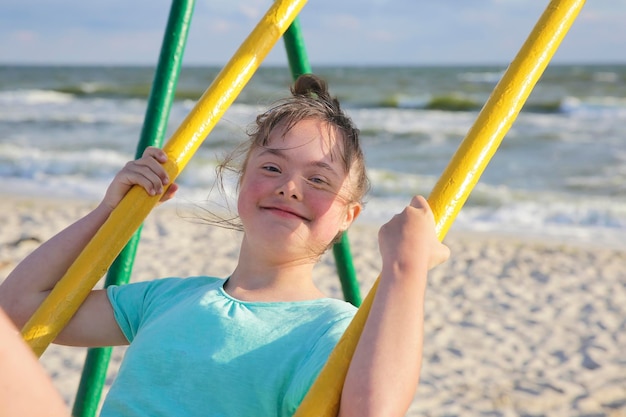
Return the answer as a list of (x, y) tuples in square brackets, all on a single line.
[(296, 50), (346, 271)]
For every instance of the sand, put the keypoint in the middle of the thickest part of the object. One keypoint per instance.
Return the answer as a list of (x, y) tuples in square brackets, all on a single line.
[(514, 327)]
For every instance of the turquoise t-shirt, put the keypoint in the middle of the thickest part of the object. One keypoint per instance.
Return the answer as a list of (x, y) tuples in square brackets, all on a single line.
[(196, 351)]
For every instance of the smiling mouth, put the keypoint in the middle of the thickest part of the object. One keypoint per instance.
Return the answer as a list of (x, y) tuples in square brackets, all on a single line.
[(285, 213)]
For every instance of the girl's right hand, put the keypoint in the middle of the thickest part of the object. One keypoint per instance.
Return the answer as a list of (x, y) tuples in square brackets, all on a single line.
[(147, 172)]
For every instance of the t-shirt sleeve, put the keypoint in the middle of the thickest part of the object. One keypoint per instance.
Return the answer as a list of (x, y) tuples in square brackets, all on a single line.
[(311, 367), (133, 303)]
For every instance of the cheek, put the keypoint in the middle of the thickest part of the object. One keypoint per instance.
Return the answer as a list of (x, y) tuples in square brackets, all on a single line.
[(240, 206), (251, 192), (246, 198), (332, 211)]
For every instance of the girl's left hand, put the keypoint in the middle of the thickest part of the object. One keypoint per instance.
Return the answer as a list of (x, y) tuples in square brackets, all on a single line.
[(409, 239)]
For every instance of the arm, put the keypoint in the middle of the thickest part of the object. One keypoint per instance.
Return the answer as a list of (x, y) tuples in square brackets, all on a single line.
[(32, 280), (25, 389), (384, 372)]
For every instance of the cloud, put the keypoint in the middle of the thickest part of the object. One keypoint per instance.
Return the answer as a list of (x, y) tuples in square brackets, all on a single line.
[(221, 26), (24, 36), (342, 22), (252, 12)]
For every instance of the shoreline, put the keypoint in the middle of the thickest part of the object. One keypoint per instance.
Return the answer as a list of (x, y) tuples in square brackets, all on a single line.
[(191, 207), (514, 325)]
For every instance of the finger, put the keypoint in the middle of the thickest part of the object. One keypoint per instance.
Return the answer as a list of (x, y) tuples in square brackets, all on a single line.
[(419, 201), (154, 166), (169, 193), (442, 254), (155, 153), (445, 252), (139, 174)]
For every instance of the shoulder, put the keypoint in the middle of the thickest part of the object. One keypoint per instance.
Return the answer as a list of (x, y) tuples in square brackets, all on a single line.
[(170, 284), (330, 316), (164, 288), (337, 309), (139, 303)]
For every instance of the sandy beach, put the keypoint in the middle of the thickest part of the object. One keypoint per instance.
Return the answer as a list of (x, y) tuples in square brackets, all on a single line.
[(513, 327)]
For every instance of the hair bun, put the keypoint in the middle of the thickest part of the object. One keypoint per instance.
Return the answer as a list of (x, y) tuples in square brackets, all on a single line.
[(311, 86)]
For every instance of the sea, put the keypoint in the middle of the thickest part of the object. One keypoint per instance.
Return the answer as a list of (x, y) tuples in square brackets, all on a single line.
[(560, 172)]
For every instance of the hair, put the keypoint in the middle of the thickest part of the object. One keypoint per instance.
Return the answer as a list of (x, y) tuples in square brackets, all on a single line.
[(310, 99)]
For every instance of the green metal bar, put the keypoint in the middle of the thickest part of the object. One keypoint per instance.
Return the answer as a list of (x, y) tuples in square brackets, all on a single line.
[(152, 134), (296, 50), (299, 64), (92, 382), (347, 273)]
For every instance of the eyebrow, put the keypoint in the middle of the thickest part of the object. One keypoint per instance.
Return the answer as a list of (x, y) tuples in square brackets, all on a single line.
[(281, 154)]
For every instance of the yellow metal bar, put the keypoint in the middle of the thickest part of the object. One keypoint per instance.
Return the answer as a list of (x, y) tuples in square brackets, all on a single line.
[(458, 179), (500, 111), (92, 263)]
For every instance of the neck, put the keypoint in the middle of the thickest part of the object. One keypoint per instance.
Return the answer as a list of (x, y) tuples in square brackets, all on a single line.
[(260, 278)]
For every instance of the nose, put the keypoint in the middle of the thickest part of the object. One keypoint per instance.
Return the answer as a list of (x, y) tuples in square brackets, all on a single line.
[(290, 189)]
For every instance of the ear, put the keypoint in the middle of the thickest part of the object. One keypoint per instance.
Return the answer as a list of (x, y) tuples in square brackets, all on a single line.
[(352, 212)]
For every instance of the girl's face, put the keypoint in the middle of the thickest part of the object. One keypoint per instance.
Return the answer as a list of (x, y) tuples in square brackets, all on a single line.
[(295, 194)]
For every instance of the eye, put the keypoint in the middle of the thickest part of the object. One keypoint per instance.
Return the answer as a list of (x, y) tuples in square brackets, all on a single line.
[(318, 180), (271, 168)]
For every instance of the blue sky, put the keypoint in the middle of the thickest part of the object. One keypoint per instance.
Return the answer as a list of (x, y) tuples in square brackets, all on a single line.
[(362, 32)]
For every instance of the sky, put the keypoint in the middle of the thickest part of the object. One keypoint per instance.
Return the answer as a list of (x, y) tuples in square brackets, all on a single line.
[(336, 32)]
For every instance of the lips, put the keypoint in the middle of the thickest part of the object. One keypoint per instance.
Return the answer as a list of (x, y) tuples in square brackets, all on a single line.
[(284, 211)]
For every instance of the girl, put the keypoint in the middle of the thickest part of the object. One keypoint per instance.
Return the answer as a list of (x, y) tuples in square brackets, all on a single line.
[(252, 344)]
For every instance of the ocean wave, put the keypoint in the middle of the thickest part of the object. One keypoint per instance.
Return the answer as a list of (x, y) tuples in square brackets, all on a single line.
[(461, 102), (604, 106), (33, 97), (606, 77), (480, 77), (92, 95), (22, 162), (94, 90), (47, 106), (91, 90), (448, 102), (581, 220), (411, 123), (70, 119), (578, 74), (599, 222)]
